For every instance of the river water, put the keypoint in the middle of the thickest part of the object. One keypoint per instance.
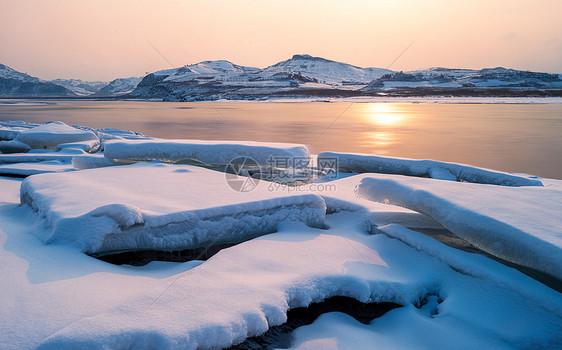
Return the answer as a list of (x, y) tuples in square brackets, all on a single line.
[(525, 138)]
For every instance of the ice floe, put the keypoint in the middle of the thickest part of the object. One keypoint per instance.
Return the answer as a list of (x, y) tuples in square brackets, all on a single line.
[(207, 152), (51, 134), (14, 146), (10, 129), (27, 169), (366, 163), (90, 146), (159, 206), (91, 161), (37, 155), (246, 289), (519, 224)]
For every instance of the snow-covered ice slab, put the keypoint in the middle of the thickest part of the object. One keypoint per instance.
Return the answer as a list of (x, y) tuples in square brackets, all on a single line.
[(9, 130), (519, 224), (208, 152), (449, 324), (13, 146), (91, 161), (366, 163), (90, 146), (51, 134), (159, 206), (33, 156), (27, 169), (246, 289)]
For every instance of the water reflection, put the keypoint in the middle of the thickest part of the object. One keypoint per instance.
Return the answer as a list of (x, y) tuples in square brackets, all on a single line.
[(384, 114), (384, 122), (519, 138), (379, 139)]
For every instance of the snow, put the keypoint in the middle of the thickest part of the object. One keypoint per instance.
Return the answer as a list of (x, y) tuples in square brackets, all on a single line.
[(80, 87), (91, 161), (13, 146), (10, 129), (518, 224), (40, 156), (445, 329), (361, 163), (48, 287), (294, 245), (208, 152), (340, 196), (9, 73), (186, 207), (331, 72), (51, 134), (248, 288), (27, 169), (458, 78), (90, 146), (119, 86), (205, 68)]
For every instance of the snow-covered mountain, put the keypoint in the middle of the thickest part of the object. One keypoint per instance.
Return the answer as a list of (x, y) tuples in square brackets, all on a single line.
[(80, 87), (10, 73), (119, 86), (488, 78), (17, 84), (299, 76), (329, 72), (221, 79)]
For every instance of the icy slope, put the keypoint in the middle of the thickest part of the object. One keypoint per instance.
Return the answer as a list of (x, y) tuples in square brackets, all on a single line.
[(521, 225), (159, 206)]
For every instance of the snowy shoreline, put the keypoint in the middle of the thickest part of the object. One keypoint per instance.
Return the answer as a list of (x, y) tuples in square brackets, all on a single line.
[(288, 243)]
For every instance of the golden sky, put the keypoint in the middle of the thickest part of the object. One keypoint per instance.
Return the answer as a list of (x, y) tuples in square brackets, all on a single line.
[(104, 40)]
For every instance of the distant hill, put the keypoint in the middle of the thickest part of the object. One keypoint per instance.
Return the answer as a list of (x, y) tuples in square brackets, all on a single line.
[(119, 87), (307, 76), (301, 76), (81, 87), (226, 80), (327, 71), (17, 84), (488, 78), (219, 79)]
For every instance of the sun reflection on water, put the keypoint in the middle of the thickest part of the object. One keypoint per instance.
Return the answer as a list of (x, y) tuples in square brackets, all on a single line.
[(384, 114), (383, 120)]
